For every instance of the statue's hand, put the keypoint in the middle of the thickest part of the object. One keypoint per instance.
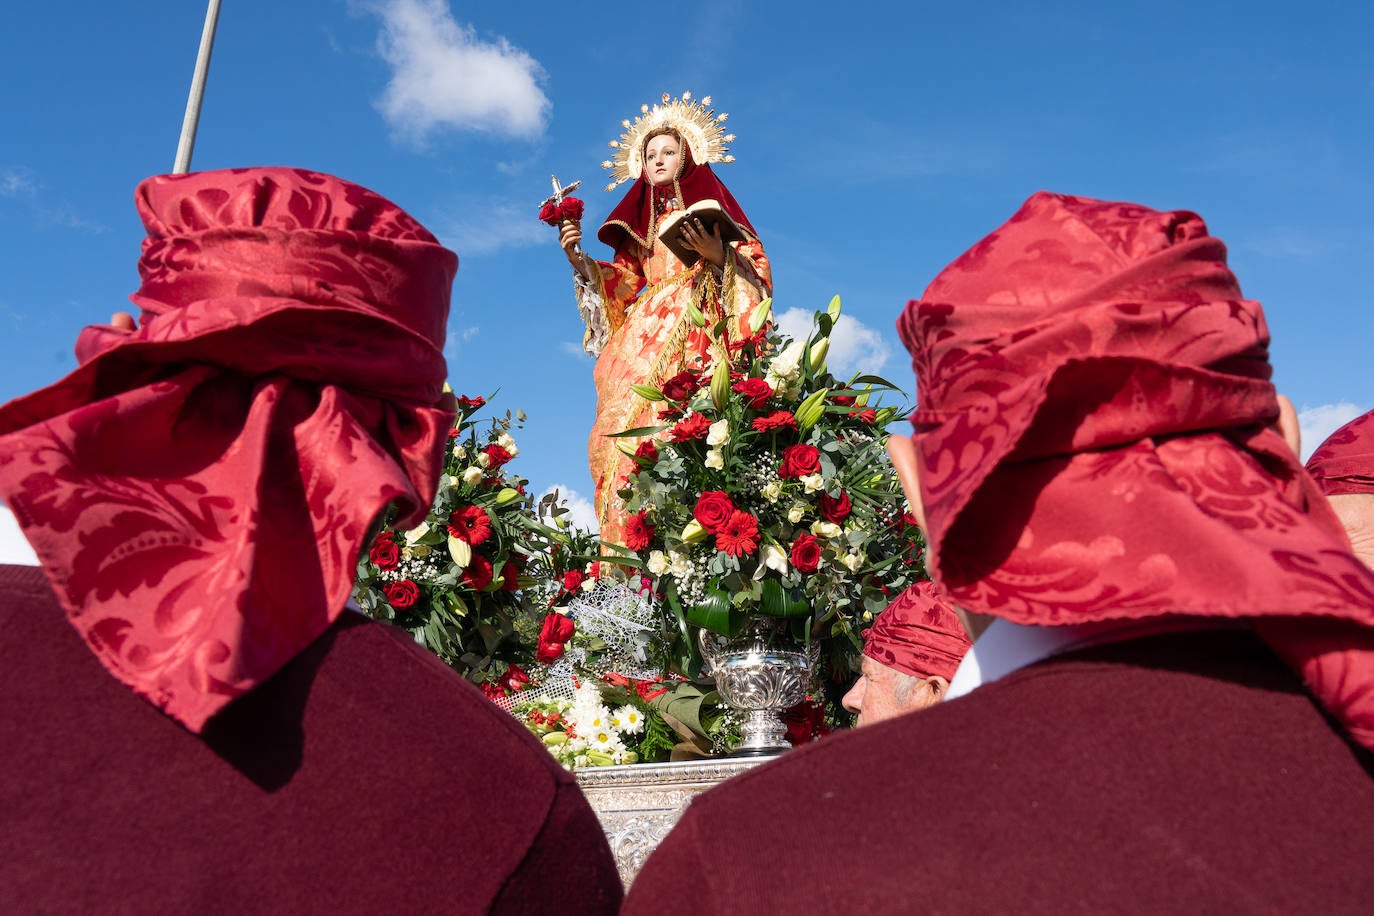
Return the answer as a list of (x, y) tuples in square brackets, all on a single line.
[(706, 244), (569, 236)]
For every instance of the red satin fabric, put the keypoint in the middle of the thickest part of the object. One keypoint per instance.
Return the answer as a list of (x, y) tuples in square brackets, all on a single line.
[(640, 207), (1344, 463), (1095, 443), (918, 634), (198, 489)]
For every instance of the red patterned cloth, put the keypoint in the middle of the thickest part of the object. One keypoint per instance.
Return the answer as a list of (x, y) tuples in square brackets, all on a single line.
[(1344, 463), (918, 634), (198, 489), (1095, 442)]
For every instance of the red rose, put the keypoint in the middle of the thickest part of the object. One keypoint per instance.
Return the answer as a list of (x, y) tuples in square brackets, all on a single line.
[(647, 452), (557, 630), (755, 389), (384, 553), (498, 456), (638, 531), (454, 433), (806, 553), (799, 461), (835, 510), (549, 213), (843, 400), (740, 535), (573, 579), (681, 386), (694, 427), (479, 573), (713, 510), (866, 416), (571, 208), (471, 524), (805, 723), (514, 679), (470, 404), (510, 577), (401, 594)]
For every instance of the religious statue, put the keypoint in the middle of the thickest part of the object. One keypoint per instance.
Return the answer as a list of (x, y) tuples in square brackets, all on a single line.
[(638, 306)]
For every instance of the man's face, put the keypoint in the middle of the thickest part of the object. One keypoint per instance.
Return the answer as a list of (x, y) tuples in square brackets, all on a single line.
[(875, 695)]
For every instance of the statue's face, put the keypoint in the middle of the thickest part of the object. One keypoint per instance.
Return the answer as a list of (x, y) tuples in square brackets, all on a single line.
[(662, 159)]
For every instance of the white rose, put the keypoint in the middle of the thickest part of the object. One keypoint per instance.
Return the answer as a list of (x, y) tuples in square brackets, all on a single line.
[(506, 442), (795, 514), (772, 491), (823, 529), (719, 433), (775, 558), (658, 563), (473, 475), (853, 561), (788, 363), (678, 565), (483, 459), (460, 450), (813, 483), (715, 459)]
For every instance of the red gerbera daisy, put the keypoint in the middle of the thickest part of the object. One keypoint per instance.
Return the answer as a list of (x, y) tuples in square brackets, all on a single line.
[(740, 535), (471, 524), (694, 427)]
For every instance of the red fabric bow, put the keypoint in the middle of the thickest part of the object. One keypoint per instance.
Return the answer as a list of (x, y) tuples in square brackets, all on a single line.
[(918, 634), (1091, 371), (198, 489), (1344, 463)]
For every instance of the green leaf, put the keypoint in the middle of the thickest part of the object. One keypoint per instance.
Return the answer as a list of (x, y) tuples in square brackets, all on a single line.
[(637, 431), (716, 613), (779, 602)]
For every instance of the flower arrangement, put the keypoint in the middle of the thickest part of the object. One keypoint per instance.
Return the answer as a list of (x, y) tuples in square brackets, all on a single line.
[(586, 731), (767, 499), (458, 581)]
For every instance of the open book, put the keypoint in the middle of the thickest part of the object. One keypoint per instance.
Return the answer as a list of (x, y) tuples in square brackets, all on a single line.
[(709, 212)]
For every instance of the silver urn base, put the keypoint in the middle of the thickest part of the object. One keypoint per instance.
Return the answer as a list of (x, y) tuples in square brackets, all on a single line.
[(762, 681)]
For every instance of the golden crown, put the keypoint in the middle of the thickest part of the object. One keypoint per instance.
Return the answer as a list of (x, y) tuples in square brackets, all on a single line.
[(695, 121)]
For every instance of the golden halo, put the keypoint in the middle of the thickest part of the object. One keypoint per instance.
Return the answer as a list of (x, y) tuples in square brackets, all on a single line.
[(698, 124)]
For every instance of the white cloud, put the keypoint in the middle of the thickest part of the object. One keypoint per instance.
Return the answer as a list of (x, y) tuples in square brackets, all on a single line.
[(1321, 421), (443, 75), (14, 548), (580, 511), (495, 226), (16, 182), (574, 349), (854, 346)]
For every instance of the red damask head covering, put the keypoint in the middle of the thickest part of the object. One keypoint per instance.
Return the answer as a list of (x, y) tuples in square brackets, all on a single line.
[(918, 634), (1344, 463), (636, 216), (198, 489), (1095, 442)]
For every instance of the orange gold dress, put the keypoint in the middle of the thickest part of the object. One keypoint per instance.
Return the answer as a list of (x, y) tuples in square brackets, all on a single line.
[(636, 314)]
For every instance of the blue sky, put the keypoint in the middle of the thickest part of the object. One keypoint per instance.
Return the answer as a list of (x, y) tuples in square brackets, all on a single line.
[(875, 142)]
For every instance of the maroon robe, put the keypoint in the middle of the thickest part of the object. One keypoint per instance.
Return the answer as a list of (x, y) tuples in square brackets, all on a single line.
[(1181, 773), (365, 776)]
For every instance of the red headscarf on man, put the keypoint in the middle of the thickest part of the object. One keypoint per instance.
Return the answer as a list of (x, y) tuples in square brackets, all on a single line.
[(636, 216), (1344, 463), (1095, 442), (918, 634), (198, 489)]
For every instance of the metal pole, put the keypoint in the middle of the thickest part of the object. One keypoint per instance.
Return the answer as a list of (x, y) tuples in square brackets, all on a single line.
[(187, 144)]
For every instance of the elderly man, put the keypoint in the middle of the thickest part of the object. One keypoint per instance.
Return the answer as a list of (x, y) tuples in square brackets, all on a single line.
[(1167, 706), (910, 653), (1343, 467), (197, 492)]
